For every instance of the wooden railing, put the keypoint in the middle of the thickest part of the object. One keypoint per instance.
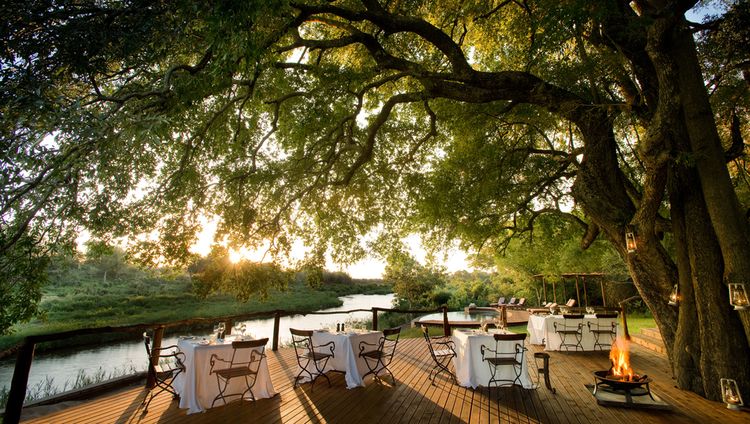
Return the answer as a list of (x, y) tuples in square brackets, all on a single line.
[(25, 349)]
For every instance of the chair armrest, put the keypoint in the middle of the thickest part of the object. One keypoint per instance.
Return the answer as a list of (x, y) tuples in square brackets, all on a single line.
[(448, 344), (330, 344), (214, 359), (167, 348), (484, 349), (363, 344)]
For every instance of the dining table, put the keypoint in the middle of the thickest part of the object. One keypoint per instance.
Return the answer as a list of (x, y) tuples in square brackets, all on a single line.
[(541, 329), (346, 357), (198, 388), (471, 370)]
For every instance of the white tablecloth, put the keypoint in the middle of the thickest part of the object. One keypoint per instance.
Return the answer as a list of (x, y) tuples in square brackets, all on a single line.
[(346, 353), (198, 388), (541, 330), (471, 371)]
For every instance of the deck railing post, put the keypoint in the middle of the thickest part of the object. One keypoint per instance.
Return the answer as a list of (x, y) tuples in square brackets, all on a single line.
[(276, 325), (446, 325), (19, 382), (155, 346), (375, 319), (228, 324)]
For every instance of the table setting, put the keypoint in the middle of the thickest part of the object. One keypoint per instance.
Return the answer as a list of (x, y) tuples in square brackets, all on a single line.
[(346, 351), (471, 371), (541, 330), (197, 387)]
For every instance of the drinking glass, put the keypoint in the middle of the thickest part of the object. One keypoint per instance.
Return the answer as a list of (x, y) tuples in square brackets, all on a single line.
[(222, 328)]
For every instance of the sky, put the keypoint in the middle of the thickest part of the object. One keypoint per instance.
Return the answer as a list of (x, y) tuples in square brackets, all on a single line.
[(370, 267)]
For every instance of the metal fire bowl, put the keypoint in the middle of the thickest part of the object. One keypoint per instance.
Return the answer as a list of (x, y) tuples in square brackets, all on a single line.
[(620, 384)]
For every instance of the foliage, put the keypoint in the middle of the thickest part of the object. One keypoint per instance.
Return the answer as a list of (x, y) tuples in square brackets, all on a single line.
[(77, 297), (23, 273), (245, 279), (334, 122), (412, 282)]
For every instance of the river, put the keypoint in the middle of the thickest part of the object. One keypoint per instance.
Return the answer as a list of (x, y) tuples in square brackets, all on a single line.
[(57, 371)]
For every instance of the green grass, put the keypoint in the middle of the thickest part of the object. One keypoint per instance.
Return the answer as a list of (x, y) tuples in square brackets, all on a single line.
[(638, 322), (83, 300)]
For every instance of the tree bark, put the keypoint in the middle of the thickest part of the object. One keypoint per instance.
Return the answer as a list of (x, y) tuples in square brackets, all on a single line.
[(687, 349), (726, 215)]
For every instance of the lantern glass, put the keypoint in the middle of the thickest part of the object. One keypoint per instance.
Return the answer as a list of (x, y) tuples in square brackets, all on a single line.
[(730, 393), (674, 297), (630, 243), (738, 296)]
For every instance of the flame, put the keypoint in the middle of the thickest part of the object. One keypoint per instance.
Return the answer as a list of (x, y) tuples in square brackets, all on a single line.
[(620, 358)]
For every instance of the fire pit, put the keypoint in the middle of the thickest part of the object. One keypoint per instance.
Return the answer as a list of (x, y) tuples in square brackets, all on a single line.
[(639, 386), (620, 378)]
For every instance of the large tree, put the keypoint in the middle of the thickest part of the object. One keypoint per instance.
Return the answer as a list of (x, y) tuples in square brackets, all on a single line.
[(327, 120)]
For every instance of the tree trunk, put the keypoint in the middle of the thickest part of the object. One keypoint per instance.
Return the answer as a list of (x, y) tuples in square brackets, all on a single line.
[(600, 190), (716, 232), (687, 349), (724, 209)]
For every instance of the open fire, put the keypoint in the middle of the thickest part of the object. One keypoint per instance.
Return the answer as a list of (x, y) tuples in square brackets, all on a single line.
[(619, 356), (620, 379), (620, 375)]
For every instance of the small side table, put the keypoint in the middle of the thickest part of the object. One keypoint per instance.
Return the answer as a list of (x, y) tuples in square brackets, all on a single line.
[(544, 369)]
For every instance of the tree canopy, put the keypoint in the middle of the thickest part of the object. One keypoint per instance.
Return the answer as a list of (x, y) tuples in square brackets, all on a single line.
[(325, 121)]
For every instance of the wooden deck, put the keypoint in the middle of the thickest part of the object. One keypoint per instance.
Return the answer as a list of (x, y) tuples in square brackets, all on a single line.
[(414, 399)]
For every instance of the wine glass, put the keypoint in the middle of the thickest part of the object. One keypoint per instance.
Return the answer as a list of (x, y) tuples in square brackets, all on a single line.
[(221, 328), (240, 328)]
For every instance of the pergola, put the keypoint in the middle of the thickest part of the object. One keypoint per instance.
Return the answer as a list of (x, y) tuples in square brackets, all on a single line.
[(579, 277)]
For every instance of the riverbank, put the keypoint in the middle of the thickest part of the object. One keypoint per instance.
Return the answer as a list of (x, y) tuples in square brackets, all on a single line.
[(93, 304)]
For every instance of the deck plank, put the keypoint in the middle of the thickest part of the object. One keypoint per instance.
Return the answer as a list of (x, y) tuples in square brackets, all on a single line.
[(414, 398)]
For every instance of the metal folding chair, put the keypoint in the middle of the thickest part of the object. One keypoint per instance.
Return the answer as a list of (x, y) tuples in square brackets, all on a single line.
[(505, 355), (442, 356), (245, 363), (599, 329), (379, 358), (164, 364), (308, 357), (572, 326)]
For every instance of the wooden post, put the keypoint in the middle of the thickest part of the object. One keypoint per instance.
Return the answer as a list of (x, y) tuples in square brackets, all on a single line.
[(375, 319), (554, 291), (228, 324), (155, 346), (585, 296), (544, 286), (276, 325), (18, 384), (578, 292), (504, 316), (604, 298), (446, 326)]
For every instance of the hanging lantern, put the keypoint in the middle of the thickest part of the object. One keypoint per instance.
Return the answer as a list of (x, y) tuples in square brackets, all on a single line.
[(730, 393), (630, 243), (738, 296), (674, 297)]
